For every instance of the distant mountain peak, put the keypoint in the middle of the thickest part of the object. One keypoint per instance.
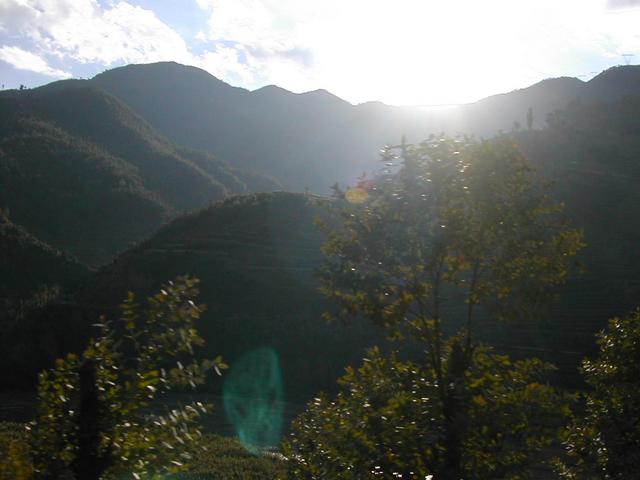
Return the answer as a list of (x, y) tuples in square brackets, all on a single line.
[(620, 73), (268, 89), (319, 91), (169, 70), (325, 95), (554, 82)]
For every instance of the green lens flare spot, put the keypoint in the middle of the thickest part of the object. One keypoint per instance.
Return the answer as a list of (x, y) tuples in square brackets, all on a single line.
[(253, 399)]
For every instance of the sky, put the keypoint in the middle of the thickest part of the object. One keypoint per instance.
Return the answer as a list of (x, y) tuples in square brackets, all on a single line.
[(400, 52)]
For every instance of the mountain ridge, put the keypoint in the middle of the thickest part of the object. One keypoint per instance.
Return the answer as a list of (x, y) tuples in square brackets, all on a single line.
[(314, 139)]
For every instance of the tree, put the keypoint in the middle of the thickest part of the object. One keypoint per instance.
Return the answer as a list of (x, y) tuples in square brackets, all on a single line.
[(530, 118), (462, 226), (389, 422), (604, 442), (94, 417)]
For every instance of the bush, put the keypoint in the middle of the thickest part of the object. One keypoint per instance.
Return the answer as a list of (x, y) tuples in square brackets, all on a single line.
[(15, 458), (604, 443), (94, 418), (389, 421)]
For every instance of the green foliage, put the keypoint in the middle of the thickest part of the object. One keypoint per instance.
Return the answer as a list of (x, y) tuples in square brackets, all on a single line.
[(461, 226), (226, 458), (469, 217), (215, 457), (95, 415), (604, 442), (15, 458), (389, 422)]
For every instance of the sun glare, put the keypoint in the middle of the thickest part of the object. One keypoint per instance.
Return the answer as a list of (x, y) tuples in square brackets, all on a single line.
[(413, 53), (422, 53)]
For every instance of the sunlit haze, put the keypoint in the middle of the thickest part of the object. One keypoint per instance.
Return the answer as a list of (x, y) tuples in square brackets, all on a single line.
[(400, 52)]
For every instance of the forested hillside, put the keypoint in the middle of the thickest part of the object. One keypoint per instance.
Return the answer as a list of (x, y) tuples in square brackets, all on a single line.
[(256, 257), (83, 173), (295, 240), (590, 152), (27, 263)]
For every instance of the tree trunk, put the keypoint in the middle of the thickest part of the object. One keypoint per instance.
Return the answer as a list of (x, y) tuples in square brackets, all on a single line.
[(89, 464), (455, 413)]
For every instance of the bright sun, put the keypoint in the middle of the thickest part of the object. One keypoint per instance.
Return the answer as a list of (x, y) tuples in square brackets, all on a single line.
[(458, 51)]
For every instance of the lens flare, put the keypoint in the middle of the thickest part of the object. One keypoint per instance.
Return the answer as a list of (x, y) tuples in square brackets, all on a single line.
[(356, 195), (253, 399)]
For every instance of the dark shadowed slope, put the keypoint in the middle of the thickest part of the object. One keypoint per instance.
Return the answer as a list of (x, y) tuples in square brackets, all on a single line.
[(85, 174), (592, 152), (27, 264), (498, 112), (255, 256), (72, 194)]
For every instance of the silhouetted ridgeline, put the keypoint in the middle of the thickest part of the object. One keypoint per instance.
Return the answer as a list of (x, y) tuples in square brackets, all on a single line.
[(315, 139)]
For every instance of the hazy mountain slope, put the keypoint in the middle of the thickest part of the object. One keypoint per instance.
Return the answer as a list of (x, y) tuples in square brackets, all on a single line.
[(592, 152), (102, 119), (27, 263), (308, 140), (302, 140), (614, 83), (315, 139), (255, 256), (498, 112), (82, 172)]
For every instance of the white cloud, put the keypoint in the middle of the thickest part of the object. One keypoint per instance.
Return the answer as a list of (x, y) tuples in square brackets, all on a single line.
[(623, 3), (25, 60), (225, 63), (409, 51), (271, 37), (84, 31)]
